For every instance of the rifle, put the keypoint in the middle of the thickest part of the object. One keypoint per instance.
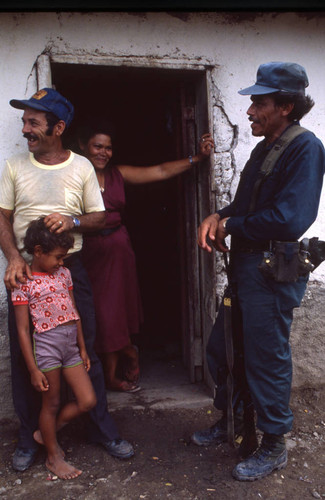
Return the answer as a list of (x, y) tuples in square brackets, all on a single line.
[(237, 386)]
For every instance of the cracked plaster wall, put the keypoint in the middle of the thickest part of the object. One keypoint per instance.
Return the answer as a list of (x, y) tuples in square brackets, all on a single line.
[(224, 174), (231, 45)]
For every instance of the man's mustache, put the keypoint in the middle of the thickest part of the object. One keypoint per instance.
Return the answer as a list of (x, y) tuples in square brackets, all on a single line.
[(29, 136)]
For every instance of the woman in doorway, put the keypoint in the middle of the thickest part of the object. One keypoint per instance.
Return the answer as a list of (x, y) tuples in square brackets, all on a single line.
[(109, 258)]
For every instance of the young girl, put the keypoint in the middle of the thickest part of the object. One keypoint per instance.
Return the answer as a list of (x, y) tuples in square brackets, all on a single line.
[(58, 343)]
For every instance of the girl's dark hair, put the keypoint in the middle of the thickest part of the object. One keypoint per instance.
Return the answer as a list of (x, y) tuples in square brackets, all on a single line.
[(95, 126), (302, 103), (38, 234)]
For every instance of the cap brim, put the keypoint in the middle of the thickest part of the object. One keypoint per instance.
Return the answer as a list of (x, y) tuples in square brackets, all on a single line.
[(257, 90), (21, 104)]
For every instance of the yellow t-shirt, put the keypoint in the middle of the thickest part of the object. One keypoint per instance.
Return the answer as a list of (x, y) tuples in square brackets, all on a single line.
[(32, 189)]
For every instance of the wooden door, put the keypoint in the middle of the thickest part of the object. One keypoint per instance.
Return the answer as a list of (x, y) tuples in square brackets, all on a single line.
[(198, 269)]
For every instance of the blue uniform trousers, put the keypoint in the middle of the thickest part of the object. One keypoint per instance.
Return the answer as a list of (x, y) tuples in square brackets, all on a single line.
[(27, 401), (266, 310)]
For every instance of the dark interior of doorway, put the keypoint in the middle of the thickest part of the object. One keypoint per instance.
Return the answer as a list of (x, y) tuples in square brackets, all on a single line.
[(145, 107)]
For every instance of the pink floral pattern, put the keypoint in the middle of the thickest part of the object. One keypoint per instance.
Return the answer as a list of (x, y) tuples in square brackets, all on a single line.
[(50, 304)]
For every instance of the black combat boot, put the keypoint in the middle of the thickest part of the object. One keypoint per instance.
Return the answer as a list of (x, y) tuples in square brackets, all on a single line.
[(271, 455), (218, 432)]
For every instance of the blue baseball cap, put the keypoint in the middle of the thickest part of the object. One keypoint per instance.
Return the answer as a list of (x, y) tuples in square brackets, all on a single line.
[(48, 100), (278, 77)]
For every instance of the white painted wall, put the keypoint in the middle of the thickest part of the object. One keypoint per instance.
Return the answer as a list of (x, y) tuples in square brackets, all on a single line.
[(234, 44)]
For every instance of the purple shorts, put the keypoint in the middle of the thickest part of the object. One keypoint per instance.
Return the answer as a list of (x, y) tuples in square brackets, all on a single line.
[(57, 348)]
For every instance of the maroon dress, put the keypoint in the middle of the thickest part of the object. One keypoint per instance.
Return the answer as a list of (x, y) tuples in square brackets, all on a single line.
[(110, 262)]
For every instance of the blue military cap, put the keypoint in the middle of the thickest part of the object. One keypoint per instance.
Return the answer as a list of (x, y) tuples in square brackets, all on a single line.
[(278, 77)]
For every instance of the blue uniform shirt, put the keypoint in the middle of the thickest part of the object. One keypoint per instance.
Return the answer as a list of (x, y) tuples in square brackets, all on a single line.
[(288, 199)]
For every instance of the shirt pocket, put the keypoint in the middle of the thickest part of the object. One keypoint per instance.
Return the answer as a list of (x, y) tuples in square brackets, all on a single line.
[(74, 201)]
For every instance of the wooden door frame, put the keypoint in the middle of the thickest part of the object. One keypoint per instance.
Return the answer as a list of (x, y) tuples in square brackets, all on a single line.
[(199, 297)]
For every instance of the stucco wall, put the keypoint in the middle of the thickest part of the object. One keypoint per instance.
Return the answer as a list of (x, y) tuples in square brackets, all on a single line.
[(233, 45)]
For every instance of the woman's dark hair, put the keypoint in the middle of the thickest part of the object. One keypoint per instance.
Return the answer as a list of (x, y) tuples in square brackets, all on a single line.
[(38, 234), (95, 126), (52, 120), (302, 103)]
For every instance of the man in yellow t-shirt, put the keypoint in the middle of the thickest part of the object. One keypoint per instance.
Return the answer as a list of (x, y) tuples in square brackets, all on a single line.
[(61, 185)]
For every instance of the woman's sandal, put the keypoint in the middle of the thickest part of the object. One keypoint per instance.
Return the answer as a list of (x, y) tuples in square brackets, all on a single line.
[(132, 375), (126, 386)]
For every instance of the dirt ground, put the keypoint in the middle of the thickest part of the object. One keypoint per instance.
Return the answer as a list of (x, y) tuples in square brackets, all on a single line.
[(167, 465)]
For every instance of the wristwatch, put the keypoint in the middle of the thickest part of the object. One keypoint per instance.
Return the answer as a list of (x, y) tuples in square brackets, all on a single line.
[(76, 221), (225, 224)]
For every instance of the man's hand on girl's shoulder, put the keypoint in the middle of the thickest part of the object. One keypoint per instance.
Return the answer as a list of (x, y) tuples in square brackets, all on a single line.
[(17, 272)]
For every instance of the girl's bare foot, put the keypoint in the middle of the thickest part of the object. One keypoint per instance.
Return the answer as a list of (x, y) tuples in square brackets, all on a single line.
[(39, 439), (61, 468)]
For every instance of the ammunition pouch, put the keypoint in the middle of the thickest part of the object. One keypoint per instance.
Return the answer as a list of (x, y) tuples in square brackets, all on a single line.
[(286, 261)]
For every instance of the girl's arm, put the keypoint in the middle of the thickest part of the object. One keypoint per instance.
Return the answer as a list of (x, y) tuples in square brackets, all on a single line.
[(38, 379), (80, 339)]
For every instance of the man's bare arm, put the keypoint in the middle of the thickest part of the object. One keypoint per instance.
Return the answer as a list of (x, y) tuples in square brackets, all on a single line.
[(94, 221), (17, 268)]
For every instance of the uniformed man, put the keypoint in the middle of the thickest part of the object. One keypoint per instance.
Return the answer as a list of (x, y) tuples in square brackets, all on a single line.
[(275, 207)]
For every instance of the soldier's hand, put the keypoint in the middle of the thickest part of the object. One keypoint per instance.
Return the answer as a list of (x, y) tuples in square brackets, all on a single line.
[(220, 237), (208, 229)]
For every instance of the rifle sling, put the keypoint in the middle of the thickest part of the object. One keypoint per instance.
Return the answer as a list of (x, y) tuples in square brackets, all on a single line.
[(272, 157)]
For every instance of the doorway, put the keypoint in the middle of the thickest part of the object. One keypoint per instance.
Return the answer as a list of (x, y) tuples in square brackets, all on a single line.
[(154, 112)]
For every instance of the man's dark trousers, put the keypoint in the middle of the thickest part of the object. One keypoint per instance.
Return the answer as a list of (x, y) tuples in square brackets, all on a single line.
[(267, 310), (27, 401)]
